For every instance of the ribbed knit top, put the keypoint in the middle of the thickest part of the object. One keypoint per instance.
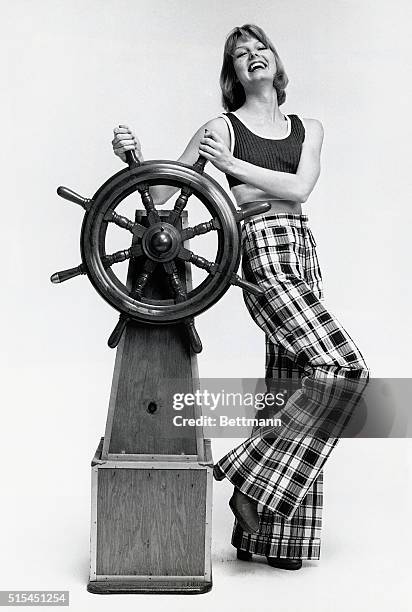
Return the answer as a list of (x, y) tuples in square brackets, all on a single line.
[(282, 154)]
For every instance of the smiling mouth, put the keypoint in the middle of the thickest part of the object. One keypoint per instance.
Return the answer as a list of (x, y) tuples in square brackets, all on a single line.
[(256, 66)]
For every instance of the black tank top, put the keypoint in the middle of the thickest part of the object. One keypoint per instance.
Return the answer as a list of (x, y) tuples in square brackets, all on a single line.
[(282, 154)]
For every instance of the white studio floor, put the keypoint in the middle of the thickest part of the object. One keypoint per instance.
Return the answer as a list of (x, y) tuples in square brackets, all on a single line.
[(365, 561)]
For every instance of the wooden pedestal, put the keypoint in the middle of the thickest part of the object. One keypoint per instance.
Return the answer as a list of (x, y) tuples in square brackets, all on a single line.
[(151, 490)]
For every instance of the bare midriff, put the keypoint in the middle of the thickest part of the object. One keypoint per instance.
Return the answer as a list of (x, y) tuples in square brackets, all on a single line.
[(245, 194)]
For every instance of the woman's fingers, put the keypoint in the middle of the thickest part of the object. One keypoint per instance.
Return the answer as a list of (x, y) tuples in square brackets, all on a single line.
[(207, 148), (121, 129), (212, 144), (116, 142), (214, 136), (208, 156), (216, 146), (125, 136), (125, 147), (124, 133), (119, 145)]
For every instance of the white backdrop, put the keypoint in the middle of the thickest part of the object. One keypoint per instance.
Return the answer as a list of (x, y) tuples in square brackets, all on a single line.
[(73, 70)]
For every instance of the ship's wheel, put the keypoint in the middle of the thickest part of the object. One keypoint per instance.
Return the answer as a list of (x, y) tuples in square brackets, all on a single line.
[(160, 243)]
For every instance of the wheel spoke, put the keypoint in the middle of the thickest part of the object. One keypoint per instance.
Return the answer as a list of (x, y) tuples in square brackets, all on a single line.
[(135, 228), (107, 260), (185, 193), (117, 333), (202, 228), (180, 205), (257, 208), (147, 201), (64, 275), (177, 286), (246, 285), (197, 260), (181, 296), (132, 159), (72, 196), (142, 278), (200, 164), (118, 256), (194, 339)]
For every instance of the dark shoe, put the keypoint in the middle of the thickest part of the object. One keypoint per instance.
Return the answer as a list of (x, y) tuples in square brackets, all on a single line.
[(288, 564), (245, 510), (243, 555)]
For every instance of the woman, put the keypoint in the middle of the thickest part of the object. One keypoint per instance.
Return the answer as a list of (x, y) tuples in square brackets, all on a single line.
[(272, 157)]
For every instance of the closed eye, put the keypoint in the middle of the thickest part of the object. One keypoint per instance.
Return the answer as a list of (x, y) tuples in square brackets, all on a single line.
[(242, 53)]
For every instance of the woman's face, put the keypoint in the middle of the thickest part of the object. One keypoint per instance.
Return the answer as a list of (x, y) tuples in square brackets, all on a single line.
[(253, 61)]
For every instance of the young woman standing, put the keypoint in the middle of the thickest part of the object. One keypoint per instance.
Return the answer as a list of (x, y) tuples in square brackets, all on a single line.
[(272, 157)]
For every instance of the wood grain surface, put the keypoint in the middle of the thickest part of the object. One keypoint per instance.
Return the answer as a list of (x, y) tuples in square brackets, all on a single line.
[(151, 522), (155, 363)]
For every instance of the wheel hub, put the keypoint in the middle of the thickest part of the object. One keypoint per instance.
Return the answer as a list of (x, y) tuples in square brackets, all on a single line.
[(161, 242)]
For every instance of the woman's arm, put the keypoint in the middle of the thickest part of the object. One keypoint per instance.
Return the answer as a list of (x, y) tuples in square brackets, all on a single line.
[(125, 140), (282, 185), (191, 154)]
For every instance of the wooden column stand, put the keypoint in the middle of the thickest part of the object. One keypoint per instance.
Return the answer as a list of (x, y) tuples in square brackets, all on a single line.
[(151, 490)]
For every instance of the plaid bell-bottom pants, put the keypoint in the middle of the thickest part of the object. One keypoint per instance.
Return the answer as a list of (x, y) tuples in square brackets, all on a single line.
[(283, 471)]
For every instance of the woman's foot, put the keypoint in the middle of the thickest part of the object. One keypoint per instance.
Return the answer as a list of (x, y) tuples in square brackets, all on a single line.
[(243, 555), (288, 564), (245, 510)]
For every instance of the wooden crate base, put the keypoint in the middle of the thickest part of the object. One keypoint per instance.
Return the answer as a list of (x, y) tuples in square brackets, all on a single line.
[(151, 525)]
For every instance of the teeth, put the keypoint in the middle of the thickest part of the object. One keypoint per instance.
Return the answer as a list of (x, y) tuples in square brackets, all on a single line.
[(256, 65)]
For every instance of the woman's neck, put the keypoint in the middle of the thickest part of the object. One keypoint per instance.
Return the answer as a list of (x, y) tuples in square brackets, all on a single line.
[(262, 106)]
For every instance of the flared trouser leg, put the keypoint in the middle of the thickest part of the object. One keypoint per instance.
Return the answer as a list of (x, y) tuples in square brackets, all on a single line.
[(300, 536), (281, 470)]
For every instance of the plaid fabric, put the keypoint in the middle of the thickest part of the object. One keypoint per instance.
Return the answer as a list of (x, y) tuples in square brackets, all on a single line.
[(300, 536), (283, 471)]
